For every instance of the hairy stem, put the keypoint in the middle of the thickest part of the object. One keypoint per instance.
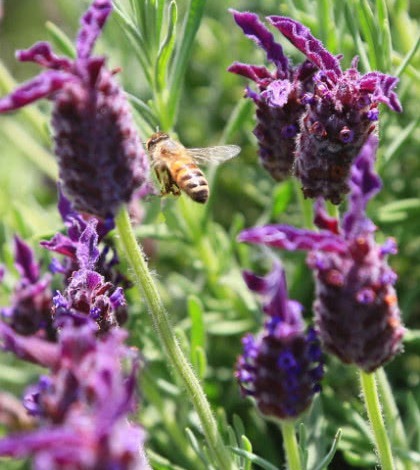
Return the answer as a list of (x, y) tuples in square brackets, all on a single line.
[(290, 445), (170, 345), (373, 407)]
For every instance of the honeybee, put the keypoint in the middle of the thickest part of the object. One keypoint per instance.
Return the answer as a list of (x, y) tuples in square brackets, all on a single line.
[(177, 169)]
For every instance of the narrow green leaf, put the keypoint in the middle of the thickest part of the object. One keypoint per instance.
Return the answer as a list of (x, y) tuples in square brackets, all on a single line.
[(166, 48), (136, 40), (407, 59), (142, 19), (367, 26), (254, 459), (399, 211), (247, 446), (195, 311), (144, 111), (199, 361), (303, 446), (30, 147), (238, 426), (328, 458), (353, 26), (160, 4), (183, 53), (394, 147), (240, 114), (414, 413), (161, 463), (196, 446), (385, 41), (60, 40)]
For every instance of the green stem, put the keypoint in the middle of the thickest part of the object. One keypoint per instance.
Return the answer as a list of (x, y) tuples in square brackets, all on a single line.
[(291, 447), (306, 206), (391, 413), (171, 347), (373, 407)]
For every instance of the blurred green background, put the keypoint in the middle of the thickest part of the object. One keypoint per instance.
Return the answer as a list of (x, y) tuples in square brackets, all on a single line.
[(193, 250)]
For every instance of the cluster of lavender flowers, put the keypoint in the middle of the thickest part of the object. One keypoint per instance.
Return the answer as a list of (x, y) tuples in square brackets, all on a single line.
[(320, 122), (80, 409), (356, 310), (312, 119)]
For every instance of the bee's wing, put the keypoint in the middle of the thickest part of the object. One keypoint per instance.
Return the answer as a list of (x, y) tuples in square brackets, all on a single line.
[(217, 154)]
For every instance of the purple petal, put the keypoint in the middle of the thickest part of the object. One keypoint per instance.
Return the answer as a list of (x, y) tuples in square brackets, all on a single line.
[(87, 249), (292, 239), (56, 441), (301, 37), (117, 299), (25, 261), (258, 74), (42, 54), (273, 288), (29, 348), (64, 206), (381, 86), (257, 32), (277, 93), (364, 184), (41, 86), (91, 26), (60, 244)]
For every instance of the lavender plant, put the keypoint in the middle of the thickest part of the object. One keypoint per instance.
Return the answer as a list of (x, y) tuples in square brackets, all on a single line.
[(64, 308)]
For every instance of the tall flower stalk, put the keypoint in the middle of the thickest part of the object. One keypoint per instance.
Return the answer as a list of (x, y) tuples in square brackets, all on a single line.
[(165, 332)]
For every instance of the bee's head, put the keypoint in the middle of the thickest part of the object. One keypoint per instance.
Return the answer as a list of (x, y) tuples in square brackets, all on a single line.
[(155, 138)]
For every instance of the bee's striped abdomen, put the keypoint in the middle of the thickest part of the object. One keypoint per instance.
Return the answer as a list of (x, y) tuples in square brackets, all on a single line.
[(191, 179)]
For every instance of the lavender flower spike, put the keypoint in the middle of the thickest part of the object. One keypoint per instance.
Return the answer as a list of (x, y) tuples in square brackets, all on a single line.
[(100, 156), (31, 302), (278, 99), (82, 407), (281, 367), (356, 309), (341, 113)]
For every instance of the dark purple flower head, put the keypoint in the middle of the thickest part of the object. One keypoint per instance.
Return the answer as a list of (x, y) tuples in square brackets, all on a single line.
[(82, 406), (31, 302), (87, 293), (341, 113), (279, 97), (356, 307), (281, 367), (100, 156)]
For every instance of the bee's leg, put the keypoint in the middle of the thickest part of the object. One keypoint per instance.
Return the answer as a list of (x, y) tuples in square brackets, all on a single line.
[(168, 185), (174, 188)]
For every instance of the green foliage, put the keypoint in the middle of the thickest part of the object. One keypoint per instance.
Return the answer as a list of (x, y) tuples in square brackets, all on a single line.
[(174, 56)]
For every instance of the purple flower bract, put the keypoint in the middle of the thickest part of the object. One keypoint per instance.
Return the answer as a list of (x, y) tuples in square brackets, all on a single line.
[(278, 101), (100, 156)]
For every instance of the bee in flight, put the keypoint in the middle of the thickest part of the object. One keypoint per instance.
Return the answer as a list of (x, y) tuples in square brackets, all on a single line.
[(177, 169)]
